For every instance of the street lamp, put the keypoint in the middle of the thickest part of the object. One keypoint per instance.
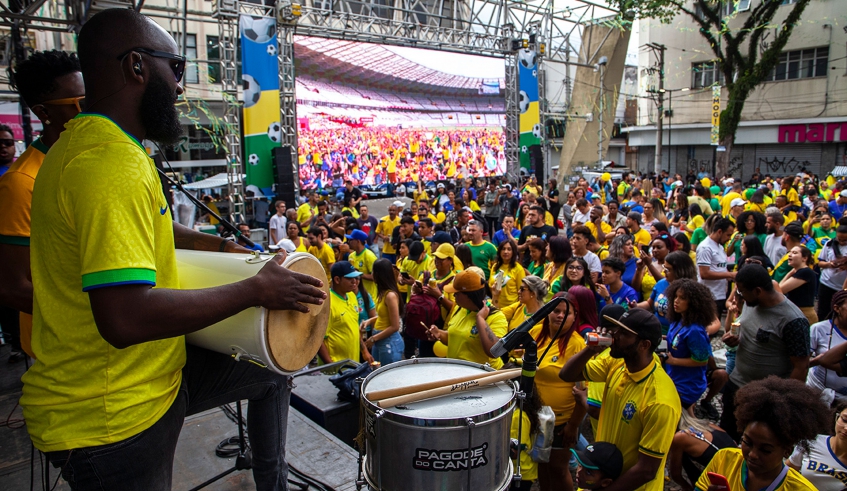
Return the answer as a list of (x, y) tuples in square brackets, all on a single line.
[(601, 67)]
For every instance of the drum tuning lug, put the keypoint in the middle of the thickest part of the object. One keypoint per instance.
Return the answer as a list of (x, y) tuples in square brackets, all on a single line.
[(520, 395), (257, 257), (471, 422), (379, 414)]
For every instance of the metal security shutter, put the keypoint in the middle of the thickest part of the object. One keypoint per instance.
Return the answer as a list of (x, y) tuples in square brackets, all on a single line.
[(783, 160)]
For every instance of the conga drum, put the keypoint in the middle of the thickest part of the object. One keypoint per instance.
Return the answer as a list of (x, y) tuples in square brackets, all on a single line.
[(281, 340)]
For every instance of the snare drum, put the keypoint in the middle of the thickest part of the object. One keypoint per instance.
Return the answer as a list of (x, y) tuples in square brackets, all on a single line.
[(281, 340), (456, 442)]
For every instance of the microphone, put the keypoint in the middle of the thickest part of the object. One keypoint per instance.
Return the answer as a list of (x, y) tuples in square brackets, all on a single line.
[(515, 338)]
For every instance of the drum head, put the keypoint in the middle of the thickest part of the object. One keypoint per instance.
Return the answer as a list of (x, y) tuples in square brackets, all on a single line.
[(294, 338)]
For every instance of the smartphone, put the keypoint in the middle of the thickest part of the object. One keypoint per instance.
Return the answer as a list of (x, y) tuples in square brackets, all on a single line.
[(718, 480), (405, 274), (646, 249)]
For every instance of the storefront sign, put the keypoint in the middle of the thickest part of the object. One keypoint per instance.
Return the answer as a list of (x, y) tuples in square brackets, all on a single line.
[(716, 114), (812, 133)]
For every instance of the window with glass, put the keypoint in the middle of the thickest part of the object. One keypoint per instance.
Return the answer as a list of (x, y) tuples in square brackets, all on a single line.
[(802, 63), (191, 75), (705, 74), (213, 55)]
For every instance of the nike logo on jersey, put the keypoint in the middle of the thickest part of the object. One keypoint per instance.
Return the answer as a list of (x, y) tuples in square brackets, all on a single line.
[(162, 210)]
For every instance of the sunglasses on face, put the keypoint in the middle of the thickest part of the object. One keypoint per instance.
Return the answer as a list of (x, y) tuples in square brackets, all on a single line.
[(7, 142), (68, 101), (177, 61)]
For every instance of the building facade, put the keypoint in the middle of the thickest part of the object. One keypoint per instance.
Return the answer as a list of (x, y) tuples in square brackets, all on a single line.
[(795, 119)]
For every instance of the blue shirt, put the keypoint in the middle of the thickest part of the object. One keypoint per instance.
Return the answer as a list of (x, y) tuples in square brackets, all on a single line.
[(629, 273), (688, 342), (661, 303), (622, 297), (836, 209), (500, 236), (363, 312)]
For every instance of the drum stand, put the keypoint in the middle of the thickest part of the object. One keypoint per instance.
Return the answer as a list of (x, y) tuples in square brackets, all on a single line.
[(243, 461), (529, 364)]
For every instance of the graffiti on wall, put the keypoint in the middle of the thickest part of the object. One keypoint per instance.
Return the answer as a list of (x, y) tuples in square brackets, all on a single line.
[(783, 165), (694, 165), (735, 166)]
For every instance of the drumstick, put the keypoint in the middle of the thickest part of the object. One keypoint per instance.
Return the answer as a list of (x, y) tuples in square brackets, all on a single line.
[(378, 395), (450, 389)]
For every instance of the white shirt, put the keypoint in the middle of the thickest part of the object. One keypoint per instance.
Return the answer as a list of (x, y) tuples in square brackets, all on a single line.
[(821, 467), (593, 262), (580, 217), (824, 337), (775, 250), (278, 225), (712, 254), (832, 277)]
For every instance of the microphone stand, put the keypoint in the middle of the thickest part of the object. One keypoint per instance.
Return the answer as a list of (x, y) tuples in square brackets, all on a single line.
[(227, 225), (530, 365)]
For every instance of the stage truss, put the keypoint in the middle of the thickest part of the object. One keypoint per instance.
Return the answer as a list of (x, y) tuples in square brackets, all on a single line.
[(480, 27)]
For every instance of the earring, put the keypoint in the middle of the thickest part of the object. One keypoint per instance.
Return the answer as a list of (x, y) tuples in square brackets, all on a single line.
[(46, 121)]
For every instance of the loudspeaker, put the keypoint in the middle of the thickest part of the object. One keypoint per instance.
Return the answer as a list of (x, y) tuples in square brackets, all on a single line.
[(536, 162), (286, 174)]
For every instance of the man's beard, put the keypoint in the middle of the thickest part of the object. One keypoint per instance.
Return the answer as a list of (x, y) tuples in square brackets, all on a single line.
[(158, 112)]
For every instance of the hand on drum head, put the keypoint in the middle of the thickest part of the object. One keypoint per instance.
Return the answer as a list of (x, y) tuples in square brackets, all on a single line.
[(283, 289)]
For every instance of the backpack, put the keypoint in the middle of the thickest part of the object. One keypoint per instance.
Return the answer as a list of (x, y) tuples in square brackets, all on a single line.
[(422, 311), (542, 445)]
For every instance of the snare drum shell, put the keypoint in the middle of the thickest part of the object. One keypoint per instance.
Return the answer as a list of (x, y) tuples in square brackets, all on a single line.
[(468, 450)]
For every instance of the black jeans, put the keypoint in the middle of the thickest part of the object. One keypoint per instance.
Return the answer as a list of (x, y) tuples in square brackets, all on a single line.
[(825, 294), (728, 422), (144, 462), (10, 324)]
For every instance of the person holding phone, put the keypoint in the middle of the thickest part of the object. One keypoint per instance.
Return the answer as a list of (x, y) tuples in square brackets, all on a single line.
[(774, 415)]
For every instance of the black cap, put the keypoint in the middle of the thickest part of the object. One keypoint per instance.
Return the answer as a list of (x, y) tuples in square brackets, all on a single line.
[(795, 230), (642, 323), (343, 269), (415, 250), (601, 456), (441, 237), (611, 312)]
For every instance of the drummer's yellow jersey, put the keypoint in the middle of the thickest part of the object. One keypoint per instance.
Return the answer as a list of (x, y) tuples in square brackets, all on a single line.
[(342, 332), (529, 468), (99, 219), (463, 341)]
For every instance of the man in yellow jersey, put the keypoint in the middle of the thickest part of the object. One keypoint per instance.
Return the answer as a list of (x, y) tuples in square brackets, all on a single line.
[(641, 237), (307, 211), (385, 229), (321, 250), (343, 339), (362, 259), (50, 82), (641, 408), (113, 378)]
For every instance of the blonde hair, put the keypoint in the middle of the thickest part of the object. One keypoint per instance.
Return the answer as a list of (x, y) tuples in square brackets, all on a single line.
[(537, 286)]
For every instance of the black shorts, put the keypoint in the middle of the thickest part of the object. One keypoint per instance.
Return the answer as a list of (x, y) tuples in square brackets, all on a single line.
[(559, 437)]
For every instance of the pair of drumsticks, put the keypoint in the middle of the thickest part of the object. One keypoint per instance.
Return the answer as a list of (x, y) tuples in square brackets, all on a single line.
[(399, 396)]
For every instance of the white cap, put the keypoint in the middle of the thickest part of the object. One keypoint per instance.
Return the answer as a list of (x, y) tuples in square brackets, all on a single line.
[(287, 245), (399, 204), (729, 180), (843, 193), (737, 202), (676, 184)]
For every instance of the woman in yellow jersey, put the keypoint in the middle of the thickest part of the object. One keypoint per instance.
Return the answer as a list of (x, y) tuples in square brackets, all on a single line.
[(295, 236), (695, 219), (558, 253), (558, 333), (775, 415), (386, 344), (475, 325), (524, 428), (402, 254), (506, 274)]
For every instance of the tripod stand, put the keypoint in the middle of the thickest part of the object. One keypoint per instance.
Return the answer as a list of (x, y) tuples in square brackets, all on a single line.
[(244, 459)]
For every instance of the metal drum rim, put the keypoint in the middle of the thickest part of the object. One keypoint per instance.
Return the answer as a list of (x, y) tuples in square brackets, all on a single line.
[(374, 486)]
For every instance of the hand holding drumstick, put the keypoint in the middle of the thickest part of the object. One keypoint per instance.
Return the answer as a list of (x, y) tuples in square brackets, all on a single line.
[(436, 334)]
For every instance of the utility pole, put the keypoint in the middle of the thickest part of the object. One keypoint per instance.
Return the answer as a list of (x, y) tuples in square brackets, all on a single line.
[(657, 162)]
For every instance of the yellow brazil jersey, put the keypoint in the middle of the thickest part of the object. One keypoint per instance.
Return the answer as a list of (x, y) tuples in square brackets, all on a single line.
[(463, 341), (640, 411), (301, 245), (441, 283), (596, 391), (16, 203), (386, 227), (729, 462), (364, 263), (791, 196), (82, 391), (415, 269), (555, 392), (529, 468), (304, 213), (512, 278), (726, 201), (342, 331), (750, 206), (326, 256), (642, 237), (604, 227), (420, 196)]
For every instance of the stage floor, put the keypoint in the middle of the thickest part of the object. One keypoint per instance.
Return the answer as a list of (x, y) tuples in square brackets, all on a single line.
[(310, 449)]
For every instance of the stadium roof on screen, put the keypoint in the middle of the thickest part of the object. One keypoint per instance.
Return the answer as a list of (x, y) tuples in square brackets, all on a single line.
[(374, 65)]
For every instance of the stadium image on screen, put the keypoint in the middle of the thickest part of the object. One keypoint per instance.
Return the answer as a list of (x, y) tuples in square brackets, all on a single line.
[(376, 114)]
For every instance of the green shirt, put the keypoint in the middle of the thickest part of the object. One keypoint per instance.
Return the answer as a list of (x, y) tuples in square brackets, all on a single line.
[(822, 236), (698, 236), (483, 255), (536, 269)]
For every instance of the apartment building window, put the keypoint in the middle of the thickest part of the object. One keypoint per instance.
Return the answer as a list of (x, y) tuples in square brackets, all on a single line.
[(705, 74), (803, 63), (191, 75), (213, 55)]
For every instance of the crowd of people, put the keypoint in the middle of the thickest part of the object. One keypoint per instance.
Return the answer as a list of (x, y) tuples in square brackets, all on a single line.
[(719, 298), (376, 155)]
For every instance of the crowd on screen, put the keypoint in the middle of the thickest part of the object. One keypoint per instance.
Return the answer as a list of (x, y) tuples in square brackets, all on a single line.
[(376, 155)]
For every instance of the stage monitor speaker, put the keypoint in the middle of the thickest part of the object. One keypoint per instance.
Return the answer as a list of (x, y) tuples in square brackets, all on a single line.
[(286, 174), (536, 162)]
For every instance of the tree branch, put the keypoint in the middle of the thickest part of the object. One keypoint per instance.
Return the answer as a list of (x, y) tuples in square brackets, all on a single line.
[(706, 32)]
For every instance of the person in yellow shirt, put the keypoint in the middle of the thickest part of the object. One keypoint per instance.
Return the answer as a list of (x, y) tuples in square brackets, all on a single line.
[(307, 211), (362, 259), (507, 275), (321, 250), (475, 325), (51, 84), (641, 407), (640, 236), (384, 230), (762, 407), (726, 200), (114, 378), (343, 339), (411, 268), (524, 429)]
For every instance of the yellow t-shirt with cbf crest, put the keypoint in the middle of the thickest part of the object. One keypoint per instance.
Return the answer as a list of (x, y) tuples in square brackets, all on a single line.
[(99, 219)]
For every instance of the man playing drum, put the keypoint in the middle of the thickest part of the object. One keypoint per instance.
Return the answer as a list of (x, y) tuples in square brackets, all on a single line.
[(113, 379)]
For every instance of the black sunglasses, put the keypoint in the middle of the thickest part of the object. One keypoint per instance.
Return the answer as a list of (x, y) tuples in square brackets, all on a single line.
[(178, 67)]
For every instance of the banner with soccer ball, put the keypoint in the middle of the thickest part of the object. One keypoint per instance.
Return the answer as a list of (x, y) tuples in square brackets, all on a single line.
[(260, 74), (529, 120)]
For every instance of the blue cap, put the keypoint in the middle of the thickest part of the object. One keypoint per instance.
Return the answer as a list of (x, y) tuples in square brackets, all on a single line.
[(357, 234), (441, 238), (344, 269)]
